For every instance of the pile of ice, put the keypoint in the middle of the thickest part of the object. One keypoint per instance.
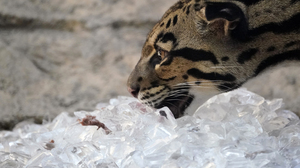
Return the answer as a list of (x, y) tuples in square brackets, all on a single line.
[(235, 129)]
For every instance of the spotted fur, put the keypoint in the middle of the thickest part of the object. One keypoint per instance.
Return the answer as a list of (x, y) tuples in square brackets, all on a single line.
[(204, 47)]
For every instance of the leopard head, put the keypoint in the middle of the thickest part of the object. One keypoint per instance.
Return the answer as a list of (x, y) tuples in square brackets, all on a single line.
[(183, 59)]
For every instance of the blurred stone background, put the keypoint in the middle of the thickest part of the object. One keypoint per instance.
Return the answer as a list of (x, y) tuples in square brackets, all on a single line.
[(69, 55)]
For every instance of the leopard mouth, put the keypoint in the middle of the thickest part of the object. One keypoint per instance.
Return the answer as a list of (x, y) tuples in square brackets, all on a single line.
[(177, 104)]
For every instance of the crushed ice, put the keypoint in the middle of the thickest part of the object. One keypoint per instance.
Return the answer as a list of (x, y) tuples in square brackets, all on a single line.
[(234, 129)]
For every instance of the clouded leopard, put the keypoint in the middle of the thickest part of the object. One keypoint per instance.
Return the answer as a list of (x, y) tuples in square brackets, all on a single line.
[(201, 48)]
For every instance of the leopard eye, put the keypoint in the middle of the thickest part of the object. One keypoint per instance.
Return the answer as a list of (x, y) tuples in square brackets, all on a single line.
[(162, 53), (159, 53)]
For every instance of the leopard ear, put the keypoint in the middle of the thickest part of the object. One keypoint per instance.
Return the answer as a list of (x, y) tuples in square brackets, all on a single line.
[(228, 17)]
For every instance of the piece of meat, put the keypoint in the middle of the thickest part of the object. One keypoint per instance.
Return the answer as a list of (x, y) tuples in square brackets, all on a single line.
[(91, 120), (50, 145)]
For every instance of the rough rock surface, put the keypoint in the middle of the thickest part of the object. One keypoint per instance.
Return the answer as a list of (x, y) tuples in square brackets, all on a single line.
[(68, 55)]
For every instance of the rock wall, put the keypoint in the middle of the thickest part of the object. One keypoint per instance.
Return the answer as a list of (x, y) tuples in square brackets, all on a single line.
[(69, 55)]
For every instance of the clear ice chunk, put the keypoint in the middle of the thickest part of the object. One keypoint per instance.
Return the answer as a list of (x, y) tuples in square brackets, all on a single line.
[(234, 129)]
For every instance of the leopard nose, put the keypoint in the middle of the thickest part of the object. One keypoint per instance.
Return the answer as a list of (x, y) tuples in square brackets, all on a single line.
[(134, 91)]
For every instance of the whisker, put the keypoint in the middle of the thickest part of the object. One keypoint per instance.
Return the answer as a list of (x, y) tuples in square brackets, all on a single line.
[(202, 86), (171, 104), (212, 85), (181, 88), (231, 66), (212, 82), (194, 83), (228, 88), (173, 96), (184, 83), (178, 91), (177, 100)]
